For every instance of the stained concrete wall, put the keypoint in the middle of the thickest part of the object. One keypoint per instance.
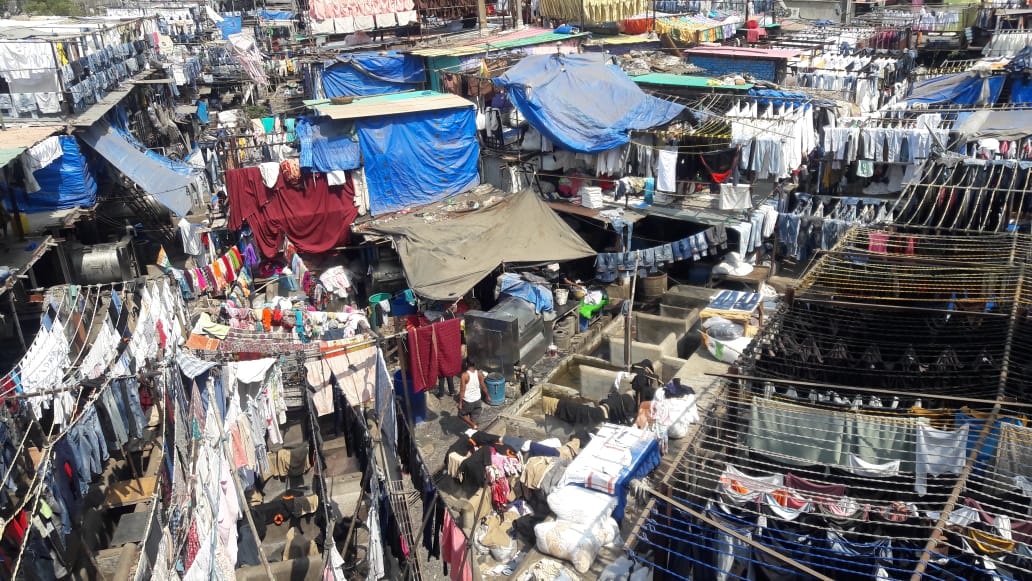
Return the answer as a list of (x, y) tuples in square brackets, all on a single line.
[(654, 328), (595, 383), (639, 350)]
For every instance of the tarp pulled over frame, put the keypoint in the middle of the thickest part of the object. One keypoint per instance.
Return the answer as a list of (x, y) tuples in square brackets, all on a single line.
[(373, 73), (582, 104), (153, 173), (445, 258), (968, 88)]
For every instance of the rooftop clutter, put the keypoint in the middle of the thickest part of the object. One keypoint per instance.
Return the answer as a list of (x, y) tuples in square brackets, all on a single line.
[(280, 244)]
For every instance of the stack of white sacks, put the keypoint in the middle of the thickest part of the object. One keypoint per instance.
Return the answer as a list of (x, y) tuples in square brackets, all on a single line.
[(591, 197), (584, 524)]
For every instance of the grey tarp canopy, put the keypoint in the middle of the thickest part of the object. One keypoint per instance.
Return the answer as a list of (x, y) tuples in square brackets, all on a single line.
[(445, 258), (1002, 125)]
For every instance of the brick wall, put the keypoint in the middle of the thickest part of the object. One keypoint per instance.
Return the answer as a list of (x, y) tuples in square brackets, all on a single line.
[(718, 66)]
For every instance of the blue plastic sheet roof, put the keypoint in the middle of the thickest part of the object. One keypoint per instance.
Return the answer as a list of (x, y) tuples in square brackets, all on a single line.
[(968, 88), (64, 184), (372, 73), (580, 103), (165, 179)]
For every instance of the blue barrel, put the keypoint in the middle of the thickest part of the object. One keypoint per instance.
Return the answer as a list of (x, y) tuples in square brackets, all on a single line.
[(416, 400), (495, 389)]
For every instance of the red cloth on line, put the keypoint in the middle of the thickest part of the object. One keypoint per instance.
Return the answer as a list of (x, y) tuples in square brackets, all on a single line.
[(247, 195), (814, 489), (449, 347), (315, 216), (435, 351)]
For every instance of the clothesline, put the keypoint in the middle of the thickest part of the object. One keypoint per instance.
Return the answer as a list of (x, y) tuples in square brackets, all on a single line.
[(867, 486)]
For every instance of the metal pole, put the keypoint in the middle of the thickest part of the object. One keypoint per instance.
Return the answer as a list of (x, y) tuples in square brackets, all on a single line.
[(629, 316), (961, 484), (17, 323), (243, 500)]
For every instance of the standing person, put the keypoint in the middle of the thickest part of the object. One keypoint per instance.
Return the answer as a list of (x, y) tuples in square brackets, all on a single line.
[(473, 391)]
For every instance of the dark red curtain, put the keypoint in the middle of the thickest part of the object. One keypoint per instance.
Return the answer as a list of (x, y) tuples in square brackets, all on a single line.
[(315, 216)]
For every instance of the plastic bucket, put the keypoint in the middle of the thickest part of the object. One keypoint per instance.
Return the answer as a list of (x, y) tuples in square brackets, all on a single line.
[(375, 310), (561, 295), (401, 307), (495, 389)]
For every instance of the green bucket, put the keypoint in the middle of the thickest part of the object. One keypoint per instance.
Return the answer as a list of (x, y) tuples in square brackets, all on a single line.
[(376, 315)]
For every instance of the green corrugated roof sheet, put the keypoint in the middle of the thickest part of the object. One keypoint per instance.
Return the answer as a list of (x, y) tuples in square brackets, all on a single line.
[(686, 81)]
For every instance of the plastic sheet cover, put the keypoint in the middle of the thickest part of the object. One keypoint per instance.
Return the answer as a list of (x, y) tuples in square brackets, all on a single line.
[(1009, 125), (445, 258), (960, 89), (328, 145), (414, 159), (275, 15), (165, 179), (64, 184), (1021, 90), (372, 73), (230, 25), (582, 104)]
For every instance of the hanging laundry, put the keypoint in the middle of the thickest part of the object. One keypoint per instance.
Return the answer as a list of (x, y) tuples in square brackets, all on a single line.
[(435, 351), (939, 452)]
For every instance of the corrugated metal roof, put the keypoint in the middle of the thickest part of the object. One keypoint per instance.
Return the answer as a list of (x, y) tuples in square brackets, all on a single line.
[(694, 82), (497, 44), (394, 104)]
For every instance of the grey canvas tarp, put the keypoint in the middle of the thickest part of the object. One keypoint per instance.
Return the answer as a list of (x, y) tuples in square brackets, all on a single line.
[(445, 258), (1002, 125)]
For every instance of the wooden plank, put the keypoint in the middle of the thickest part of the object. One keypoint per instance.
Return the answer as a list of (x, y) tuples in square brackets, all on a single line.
[(130, 492)]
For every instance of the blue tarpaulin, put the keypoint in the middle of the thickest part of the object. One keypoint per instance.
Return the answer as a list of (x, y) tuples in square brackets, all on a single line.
[(535, 294), (275, 15), (1021, 90), (165, 179), (413, 159), (328, 145), (230, 25), (781, 98), (581, 104), (66, 183), (202, 111), (372, 73), (968, 88)]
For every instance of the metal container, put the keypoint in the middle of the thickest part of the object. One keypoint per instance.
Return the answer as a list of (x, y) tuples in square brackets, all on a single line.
[(104, 263)]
